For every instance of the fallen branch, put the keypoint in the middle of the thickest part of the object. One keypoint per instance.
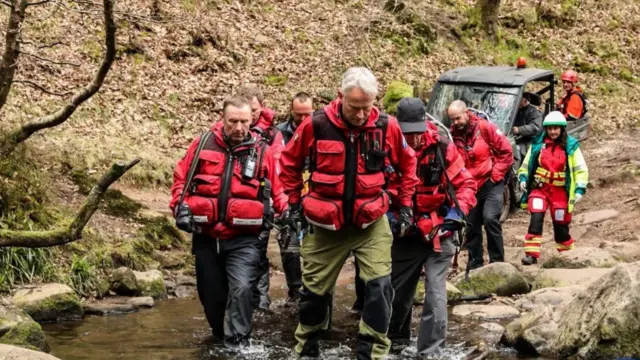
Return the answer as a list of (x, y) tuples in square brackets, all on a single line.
[(49, 60), (73, 231)]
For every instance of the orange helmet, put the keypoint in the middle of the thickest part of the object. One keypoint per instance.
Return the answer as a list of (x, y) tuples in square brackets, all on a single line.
[(570, 75)]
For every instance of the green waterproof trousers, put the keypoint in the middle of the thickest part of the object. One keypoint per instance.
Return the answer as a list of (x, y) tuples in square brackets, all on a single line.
[(323, 255)]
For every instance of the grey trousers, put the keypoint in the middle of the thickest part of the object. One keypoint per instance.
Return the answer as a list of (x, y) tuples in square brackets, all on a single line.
[(409, 255)]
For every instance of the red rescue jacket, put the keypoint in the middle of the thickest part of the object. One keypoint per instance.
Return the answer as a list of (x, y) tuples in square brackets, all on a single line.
[(486, 151), (343, 188), (224, 203), (431, 199), (267, 116)]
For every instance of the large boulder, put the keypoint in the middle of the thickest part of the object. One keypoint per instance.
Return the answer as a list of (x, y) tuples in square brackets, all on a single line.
[(567, 277), (593, 217), (491, 332), (10, 352), (123, 282), (553, 297), (485, 312), (151, 283), (502, 279), (627, 251), (602, 322), (49, 302), (17, 328), (118, 305), (581, 257)]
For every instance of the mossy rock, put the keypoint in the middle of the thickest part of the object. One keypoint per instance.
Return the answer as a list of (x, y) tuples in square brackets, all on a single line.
[(151, 283), (396, 90), (502, 279), (49, 302), (453, 293), (124, 282), (17, 328)]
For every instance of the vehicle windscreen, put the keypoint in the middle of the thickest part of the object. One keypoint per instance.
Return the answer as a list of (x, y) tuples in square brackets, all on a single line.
[(498, 102)]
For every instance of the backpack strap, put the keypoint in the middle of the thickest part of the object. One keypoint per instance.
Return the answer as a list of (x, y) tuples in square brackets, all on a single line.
[(192, 167)]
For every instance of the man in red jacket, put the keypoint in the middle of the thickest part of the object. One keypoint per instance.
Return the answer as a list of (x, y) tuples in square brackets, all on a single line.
[(437, 214), (488, 156), (349, 141), (224, 206)]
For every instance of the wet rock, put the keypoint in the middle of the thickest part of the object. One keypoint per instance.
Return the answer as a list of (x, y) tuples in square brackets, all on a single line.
[(452, 293), (602, 322), (486, 312), (533, 332), (502, 279), (49, 302), (151, 283), (592, 217), (118, 305), (123, 282), (10, 352), (18, 328), (491, 332), (581, 257), (546, 278), (553, 297), (185, 291), (170, 285), (186, 280)]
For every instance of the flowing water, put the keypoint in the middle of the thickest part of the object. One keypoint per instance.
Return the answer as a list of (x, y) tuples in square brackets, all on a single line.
[(177, 329)]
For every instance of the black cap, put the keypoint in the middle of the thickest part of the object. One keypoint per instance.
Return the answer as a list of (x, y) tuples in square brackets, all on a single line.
[(411, 114)]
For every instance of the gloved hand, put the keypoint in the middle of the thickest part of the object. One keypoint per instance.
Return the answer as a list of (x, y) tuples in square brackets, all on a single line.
[(184, 219), (393, 223), (523, 185), (405, 220), (578, 198), (453, 221)]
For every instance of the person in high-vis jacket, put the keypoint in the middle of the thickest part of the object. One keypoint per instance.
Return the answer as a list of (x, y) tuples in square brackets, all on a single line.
[(442, 176), (224, 202), (349, 142), (553, 176), (573, 104)]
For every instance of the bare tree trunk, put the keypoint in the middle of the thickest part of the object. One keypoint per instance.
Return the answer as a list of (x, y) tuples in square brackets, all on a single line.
[(22, 133), (73, 231), (489, 10), (11, 48)]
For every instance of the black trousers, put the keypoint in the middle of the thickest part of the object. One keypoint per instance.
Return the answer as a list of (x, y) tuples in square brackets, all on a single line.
[(226, 271), (487, 213), (260, 297)]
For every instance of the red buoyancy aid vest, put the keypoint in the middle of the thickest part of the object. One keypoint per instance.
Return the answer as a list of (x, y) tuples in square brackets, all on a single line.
[(430, 196), (222, 200), (347, 179), (476, 153)]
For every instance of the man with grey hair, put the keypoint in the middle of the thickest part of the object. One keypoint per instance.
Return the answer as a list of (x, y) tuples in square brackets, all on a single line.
[(350, 143)]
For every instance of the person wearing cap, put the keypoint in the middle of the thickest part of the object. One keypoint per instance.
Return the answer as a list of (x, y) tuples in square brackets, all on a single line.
[(444, 195), (573, 104), (528, 123), (553, 176)]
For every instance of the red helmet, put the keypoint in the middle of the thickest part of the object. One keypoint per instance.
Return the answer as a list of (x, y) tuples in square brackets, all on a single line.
[(570, 75)]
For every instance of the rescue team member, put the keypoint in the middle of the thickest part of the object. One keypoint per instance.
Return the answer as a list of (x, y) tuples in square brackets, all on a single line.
[(224, 206), (527, 124), (349, 141), (301, 107), (573, 103), (553, 176), (262, 128), (434, 208), (488, 157)]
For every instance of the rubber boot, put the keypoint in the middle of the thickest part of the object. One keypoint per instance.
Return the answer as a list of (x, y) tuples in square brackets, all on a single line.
[(529, 260)]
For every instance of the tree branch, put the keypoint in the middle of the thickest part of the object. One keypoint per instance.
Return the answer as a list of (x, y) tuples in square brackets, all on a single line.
[(73, 231), (39, 87), (24, 132), (5, 2), (11, 47), (49, 60), (38, 2)]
